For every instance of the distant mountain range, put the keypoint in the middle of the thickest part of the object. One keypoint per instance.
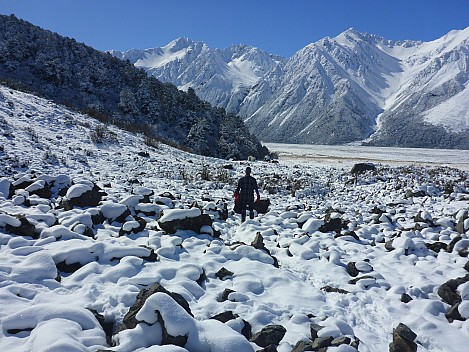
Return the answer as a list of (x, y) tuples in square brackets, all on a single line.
[(354, 88), (85, 79)]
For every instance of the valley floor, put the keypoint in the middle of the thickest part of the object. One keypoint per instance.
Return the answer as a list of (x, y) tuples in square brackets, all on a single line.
[(344, 156)]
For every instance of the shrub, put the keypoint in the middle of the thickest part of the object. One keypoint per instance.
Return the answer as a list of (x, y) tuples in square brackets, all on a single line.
[(151, 142), (205, 173), (100, 134)]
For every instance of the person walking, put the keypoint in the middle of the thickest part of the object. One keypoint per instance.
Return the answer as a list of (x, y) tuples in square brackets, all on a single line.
[(244, 194)]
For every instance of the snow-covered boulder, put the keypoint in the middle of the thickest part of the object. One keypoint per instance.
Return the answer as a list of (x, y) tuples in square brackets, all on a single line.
[(170, 324), (183, 219), (82, 195)]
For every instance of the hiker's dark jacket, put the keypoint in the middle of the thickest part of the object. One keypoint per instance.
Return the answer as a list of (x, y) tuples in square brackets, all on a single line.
[(247, 185)]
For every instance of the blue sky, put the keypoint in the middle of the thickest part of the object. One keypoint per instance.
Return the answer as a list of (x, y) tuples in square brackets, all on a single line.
[(279, 27)]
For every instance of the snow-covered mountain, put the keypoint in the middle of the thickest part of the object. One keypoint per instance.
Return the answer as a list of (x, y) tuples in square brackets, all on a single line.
[(221, 76), (354, 87)]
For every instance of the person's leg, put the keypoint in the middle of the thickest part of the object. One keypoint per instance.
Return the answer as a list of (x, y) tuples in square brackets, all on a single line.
[(243, 212), (251, 210)]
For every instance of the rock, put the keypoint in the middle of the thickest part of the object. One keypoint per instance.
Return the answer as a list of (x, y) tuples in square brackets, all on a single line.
[(152, 257), (68, 268), (333, 289), (225, 316), (437, 246), (143, 154), (354, 281), (130, 322), (269, 335), (192, 223), (448, 290), (168, 195), (97, 217), (341, 340), (335, 224), (6, 188), (107, 326), (403, 339), (246, 331), (321, 342), (302, 346), (225, 294), (22, 183), (388, 246), (314, 329), (258, 242), (405, 298), (453, 313), (136, 226), (352, 269), (460, 224), (453, 243), (223, 273), (423, 217), (89, 198), (25, 229), (404, 331), (39, 188), (222, 209), (362, 167)]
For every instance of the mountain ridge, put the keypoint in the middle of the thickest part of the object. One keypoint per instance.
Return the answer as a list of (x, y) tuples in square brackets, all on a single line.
[(86, 79), (353, 88)]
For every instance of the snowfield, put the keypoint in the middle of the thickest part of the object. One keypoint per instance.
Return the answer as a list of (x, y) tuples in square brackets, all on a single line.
[(89, 260)]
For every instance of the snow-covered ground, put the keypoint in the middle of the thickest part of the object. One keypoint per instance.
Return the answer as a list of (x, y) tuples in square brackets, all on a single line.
[(357, 256)]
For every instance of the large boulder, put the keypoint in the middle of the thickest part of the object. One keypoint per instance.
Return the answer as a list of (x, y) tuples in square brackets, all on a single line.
[(183, 219), (22, 227), (82, 196), (269, 335), (448, 291), (403, 339), (130, 321), (40, 188), (360, 168)]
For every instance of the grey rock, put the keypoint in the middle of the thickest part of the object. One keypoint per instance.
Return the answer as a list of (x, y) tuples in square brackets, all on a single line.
[(269, 335), (193, 224)]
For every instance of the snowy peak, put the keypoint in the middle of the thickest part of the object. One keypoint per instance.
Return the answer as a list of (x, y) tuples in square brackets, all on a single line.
[(349, 88), (220, 76)]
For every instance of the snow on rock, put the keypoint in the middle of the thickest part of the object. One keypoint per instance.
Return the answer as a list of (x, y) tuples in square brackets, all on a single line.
[(179, 214), (55, 326), (200, 337), (77, 190)]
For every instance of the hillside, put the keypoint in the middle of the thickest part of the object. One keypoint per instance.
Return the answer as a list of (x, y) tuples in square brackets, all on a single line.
[(109, 244), (73, 74), (353, 88)]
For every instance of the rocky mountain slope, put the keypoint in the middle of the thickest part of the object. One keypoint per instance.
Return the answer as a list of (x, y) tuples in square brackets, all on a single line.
[(110, 244), (351, 88), (115, 91)]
